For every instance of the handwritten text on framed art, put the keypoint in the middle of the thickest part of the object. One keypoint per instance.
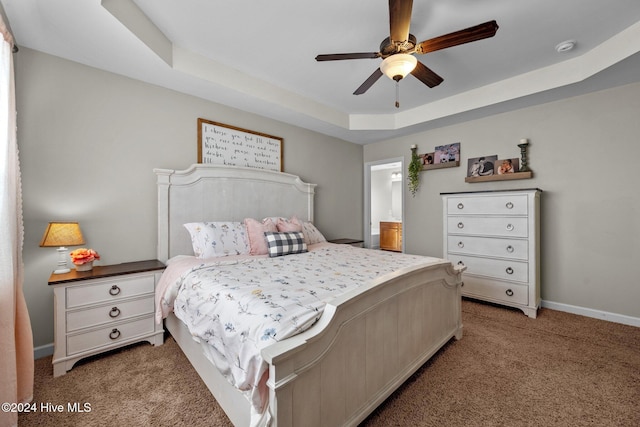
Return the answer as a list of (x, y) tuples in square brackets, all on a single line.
[(222, 144)]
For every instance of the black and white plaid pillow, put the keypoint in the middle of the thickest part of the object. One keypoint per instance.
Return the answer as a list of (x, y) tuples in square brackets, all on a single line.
[(285, 243)]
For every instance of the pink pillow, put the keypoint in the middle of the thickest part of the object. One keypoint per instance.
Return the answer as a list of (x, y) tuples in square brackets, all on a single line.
[(289, 225), (255, 231)]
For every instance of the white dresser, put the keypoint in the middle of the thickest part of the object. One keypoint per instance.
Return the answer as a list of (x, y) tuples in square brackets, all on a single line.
[(496, 235), (106, 308)]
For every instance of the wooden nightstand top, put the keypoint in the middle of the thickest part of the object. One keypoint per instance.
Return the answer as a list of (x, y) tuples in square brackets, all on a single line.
[(345, 241), (101, 271)]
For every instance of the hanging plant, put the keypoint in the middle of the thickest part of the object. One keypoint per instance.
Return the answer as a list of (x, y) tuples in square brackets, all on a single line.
[(415, 166)]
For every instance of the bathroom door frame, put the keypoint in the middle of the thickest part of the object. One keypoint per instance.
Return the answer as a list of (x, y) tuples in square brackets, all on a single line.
[(367, 197)]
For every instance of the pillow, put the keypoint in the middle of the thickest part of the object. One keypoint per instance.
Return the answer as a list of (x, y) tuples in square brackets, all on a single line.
[(289, 225), (255, 231), (285, 243), (311, 234), (215, 239)]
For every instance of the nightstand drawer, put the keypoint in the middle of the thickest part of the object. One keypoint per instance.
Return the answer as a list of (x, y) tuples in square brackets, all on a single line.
[(119, 310), (109, 290), (110, 335)]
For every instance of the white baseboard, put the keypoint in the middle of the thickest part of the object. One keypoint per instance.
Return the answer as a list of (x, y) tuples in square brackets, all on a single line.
[(43, 351), (589, 312)]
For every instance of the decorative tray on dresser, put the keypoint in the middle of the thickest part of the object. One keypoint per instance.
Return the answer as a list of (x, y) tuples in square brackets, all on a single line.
[(496, 235), (102, 309)]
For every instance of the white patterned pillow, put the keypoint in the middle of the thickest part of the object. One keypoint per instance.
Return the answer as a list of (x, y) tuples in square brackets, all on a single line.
[(216, 239), (311, 234), (285, 243)]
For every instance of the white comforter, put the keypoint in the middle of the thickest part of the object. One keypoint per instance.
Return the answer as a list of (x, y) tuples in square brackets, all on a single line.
[(240, 304)]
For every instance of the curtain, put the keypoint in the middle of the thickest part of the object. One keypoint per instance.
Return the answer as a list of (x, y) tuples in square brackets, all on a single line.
[(16, 339)]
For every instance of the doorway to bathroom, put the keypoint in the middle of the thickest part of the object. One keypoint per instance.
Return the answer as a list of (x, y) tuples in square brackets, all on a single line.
[(383, 199)]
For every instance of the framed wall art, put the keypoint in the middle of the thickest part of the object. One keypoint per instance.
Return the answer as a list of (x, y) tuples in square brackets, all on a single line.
[(222, 144)]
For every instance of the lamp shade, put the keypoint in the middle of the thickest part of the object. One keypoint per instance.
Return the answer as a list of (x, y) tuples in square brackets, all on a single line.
[(397, 66), (62, 234)]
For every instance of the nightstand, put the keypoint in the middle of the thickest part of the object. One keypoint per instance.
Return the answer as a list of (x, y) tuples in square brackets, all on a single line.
[(353, 242), (108, 307)]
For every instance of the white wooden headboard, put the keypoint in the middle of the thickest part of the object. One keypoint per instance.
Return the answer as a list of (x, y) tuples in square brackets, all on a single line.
[(223, 193)]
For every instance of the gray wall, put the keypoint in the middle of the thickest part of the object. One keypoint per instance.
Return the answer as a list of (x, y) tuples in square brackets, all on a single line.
[(89, 141), (584, 152)]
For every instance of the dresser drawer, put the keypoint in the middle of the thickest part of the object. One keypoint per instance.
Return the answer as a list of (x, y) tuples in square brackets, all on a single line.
[(109, 335), (511, 270), (109, 290), (488, 226), (509, 293), (119, 310), (491, 247), (488, 205)]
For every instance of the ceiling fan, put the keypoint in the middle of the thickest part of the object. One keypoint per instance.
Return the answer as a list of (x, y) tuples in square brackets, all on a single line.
[(397, 51)]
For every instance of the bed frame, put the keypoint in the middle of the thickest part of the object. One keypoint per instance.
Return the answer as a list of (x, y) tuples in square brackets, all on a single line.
[(365, 345)]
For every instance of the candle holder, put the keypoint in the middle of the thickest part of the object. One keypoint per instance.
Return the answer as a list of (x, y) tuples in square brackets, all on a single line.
[(523, 154)]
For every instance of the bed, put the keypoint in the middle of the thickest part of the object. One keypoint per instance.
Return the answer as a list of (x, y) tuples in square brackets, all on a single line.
[(364, 345)]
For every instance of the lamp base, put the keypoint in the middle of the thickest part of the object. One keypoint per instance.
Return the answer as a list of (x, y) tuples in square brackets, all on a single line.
[(62, 268)]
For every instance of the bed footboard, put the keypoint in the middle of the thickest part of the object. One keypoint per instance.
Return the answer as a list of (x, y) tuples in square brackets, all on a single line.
[(366, 344)]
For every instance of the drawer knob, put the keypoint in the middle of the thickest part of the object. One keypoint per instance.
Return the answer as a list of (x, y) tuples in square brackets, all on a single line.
[(115, 290), (460, 225), (509, 270), (509, 205), (460, 206), (115, 312), (115, 334), (460, 263), (510, 249), (510, 227), (460, 245), (509, 292)]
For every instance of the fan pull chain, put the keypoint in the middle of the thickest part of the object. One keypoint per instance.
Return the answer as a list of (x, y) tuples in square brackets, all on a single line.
[(397, 93)]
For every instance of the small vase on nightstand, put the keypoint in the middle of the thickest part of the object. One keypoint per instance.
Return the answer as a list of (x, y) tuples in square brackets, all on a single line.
[(87, 266)]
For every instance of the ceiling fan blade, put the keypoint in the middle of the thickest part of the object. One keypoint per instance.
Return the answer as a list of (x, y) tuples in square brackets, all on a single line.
[(340, 56), (369, 82), (426, 75), (400, 19), (471, 34)]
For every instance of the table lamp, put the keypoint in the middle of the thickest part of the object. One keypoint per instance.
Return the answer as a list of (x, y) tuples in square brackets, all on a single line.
[(62, 234)]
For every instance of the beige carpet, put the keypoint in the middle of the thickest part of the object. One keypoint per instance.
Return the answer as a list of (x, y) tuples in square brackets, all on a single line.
[(508, 370)]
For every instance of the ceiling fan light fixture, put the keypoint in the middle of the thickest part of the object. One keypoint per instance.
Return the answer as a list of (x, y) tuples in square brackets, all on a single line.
[(397, 66)]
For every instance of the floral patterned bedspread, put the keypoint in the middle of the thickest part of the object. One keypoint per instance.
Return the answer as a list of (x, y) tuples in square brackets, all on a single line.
[(239, 305)]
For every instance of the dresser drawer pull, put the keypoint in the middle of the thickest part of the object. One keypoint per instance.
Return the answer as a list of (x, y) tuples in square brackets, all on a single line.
[(460, 225), (115, 312), (460, 245), (510, 249), (115, 290), (509, 270), (460, 206), (115, 334), (509, 205), (509, 292), (460, 263), (510, 227)]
